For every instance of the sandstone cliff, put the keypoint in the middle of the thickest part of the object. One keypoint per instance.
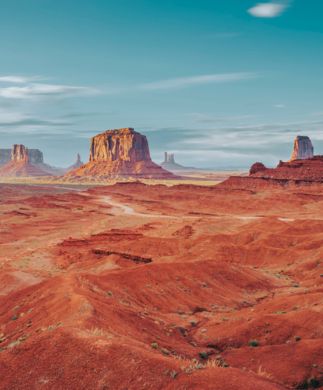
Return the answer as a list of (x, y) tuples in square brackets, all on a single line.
[(35, 155), (120, 153), (303, 148), (19, 153), (23, 162)]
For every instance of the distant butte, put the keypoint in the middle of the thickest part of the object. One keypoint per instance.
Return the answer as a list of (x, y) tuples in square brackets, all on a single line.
[(120, 153), (171, 165), (23, 163), (303, 148)]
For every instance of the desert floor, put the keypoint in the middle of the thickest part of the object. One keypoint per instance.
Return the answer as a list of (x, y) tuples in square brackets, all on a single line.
[(137, 286)]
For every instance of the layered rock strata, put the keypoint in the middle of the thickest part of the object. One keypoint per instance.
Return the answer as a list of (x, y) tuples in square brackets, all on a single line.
[(120, 153)]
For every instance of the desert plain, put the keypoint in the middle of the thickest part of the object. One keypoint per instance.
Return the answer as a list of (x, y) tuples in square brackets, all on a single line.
[(137, 286)]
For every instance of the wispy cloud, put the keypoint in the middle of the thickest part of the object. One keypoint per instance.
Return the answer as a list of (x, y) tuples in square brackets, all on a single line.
[(183, 82), (269, 10), (16, 79), (19, 87)]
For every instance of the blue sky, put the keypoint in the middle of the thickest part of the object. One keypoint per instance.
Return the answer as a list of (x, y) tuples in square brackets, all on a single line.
[(220, 83)]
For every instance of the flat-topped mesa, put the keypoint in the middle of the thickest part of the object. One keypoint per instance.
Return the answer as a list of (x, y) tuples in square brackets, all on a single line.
[(303, 148), (120, 145), (119, 153)]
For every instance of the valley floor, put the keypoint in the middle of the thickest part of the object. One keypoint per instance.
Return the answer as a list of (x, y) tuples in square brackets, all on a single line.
[(153, 287)]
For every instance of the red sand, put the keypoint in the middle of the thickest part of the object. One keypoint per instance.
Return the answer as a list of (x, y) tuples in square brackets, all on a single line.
[(153, 287)]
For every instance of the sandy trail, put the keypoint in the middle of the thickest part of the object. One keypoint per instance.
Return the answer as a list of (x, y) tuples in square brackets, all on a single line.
[(127, 210)]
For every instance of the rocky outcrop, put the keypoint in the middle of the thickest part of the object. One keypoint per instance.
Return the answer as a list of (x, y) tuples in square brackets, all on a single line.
[(257, 167), (120, 145), (78, 163), (35, 155), (302, 169), (303, 148), (310, 169), (297, 172), (120, 153), (19, 153), (169, 158), (24, 162)]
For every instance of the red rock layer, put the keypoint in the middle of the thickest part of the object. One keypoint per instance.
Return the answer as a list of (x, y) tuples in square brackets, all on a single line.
[(309, 170), (292, 173)]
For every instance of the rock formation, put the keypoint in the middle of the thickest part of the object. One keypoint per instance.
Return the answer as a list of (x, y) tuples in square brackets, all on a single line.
[(78, 163), (35, 155), (23, 162), (169, 158), (120, 153), (303, 168), (303, 148), (19, 153), (120, 145), (257, 167), (171, 165)]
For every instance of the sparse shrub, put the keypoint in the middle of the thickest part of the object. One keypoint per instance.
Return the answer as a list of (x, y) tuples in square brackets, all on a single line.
[(311, 383), (253, 343), (173, 374), (154, 345), (203, 355), (297, 338)]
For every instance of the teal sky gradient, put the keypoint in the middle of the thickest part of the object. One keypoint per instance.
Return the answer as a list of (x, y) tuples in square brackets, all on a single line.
[(204, 79)]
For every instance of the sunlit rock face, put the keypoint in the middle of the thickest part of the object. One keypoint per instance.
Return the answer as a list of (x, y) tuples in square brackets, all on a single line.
[(19, 153), (120, 153), (303, 148), (123, 145)]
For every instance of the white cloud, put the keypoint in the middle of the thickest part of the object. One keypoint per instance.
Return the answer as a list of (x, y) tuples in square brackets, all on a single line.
[(28, 89), (183, 82), (15, 79), (268, 10)]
